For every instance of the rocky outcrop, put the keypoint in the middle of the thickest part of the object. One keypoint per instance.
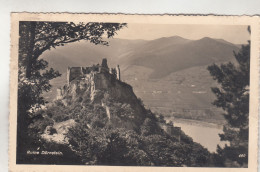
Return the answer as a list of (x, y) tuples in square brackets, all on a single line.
[(104, 88), (98, 98), (57, 132)]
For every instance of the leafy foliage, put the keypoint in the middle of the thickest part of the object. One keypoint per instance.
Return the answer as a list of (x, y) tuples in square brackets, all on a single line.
[(110, 146), (98, 140), (34, 74), (233, 97)]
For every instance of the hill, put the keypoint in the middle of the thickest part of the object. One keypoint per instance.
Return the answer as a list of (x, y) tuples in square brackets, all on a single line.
[(167, 55), (106, 124)]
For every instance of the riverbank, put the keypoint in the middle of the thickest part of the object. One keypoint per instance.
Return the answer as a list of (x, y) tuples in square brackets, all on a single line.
[(194, 122), (207, 134)]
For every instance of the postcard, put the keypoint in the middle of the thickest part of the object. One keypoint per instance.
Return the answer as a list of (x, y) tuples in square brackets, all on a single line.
[(117, 92)]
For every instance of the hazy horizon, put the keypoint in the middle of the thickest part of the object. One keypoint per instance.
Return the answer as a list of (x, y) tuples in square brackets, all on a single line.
[(170, 37), (236, 34)]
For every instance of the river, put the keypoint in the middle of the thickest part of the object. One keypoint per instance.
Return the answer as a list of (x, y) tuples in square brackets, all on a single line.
[(207, 134)]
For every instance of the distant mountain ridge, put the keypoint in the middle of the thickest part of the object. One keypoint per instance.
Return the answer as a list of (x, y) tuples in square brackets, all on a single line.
[(167, 55), (164, 55), (169, 74)]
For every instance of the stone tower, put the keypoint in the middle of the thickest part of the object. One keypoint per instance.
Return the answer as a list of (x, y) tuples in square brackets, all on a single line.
[(68, 75), (118, 72), (104, 66), (104, 63)]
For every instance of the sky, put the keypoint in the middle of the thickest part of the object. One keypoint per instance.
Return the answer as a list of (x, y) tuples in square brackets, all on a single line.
[(236, 34)]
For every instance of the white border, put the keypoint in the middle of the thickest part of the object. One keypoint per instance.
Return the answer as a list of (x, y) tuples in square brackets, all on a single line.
[(166, 19)]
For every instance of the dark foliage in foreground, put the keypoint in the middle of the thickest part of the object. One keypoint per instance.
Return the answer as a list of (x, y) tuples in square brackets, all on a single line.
[(233, 97), (34, 75), (97, 140)]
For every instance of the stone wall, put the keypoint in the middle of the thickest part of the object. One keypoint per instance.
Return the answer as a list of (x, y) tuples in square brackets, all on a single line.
[(79, 72), (73, 73)]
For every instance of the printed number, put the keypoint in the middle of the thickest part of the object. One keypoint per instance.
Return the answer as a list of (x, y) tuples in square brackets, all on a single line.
[(242, 155)]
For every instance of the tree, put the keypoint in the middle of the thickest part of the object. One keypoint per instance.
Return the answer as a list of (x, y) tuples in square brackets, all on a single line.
[(34, 75), (37, 37), (233, 97)]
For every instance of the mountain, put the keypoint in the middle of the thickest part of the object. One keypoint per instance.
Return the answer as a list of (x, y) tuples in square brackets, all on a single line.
[(169, 74), (167, 55), (84, 53)]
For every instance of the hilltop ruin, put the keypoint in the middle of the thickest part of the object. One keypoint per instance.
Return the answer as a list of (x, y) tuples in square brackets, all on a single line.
[(79, 72), (101, 85), (94, 75)]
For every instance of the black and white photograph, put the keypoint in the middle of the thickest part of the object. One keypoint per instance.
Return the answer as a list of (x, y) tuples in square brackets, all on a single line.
[(94, 93)]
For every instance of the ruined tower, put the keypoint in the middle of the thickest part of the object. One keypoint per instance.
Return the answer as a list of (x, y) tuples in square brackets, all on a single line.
[(104, 66), (73, 73), (68, 75), (104, 63), (118, 72), (77, 73)]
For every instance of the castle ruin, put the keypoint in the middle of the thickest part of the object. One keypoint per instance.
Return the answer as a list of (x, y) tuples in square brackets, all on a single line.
[(101, 82), (94, 71), (79, 72)]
